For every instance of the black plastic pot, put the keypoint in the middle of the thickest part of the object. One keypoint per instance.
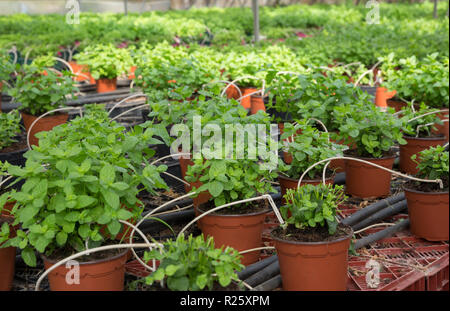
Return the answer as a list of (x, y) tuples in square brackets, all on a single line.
[(371, 90), (174, 169)]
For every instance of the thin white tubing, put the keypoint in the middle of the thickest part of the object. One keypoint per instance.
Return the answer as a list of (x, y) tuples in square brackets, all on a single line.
[(256, 249), (176, 178), (178, 209), (287, 73), (438, 181), (9, 85), (246, 77), (351, 64), (129, 110), (373, 226), (367, 72), (322, 124), (227, 85), (169, 156), (420, 126), (427, 114), (264, 196), (92, 250), (14, 51), (251, 94), (125, 99), (8, 178), (26, 56), (65, 63), (323, 174), (49, 112)]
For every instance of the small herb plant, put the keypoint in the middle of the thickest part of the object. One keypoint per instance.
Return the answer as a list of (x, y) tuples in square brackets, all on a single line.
[(6, 68), (89, 181), (374, 132), (433, 164), (105, 61), (193, 264), (40, 93), (420, 127), (313, 206), (9, 128), (309, 147), (4, 233)]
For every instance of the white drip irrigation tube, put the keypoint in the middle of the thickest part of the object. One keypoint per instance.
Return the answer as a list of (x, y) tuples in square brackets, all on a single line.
[(129, 110), (125, 99), (438, 181), (64, 62), (366, 73), (5, 180), (374, 226), (427, 114), (47, 113), (228, 84), (264, 196), (242, 78)]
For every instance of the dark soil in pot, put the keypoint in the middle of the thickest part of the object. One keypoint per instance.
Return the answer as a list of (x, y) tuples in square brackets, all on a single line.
[(317, 234), (240, 228)]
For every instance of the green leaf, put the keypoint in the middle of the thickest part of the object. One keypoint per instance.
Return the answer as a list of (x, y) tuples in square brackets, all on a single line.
[(61, 238), (107, 174), (171, 269), (215, 188), (29, 257), (178, 284)]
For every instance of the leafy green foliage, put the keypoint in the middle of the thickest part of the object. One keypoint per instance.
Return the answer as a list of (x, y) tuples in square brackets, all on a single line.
[(9, 128), (105, 61), (39, 93), (311, 206), (80, 181), (372, 131), (420, 127), (6, 67), (193, 264), (307, 148), (433, 164)]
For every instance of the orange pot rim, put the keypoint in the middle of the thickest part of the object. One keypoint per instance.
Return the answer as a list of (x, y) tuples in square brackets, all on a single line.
[(264, 211), (341, 239), (431, 193), (111, 258), (368, 158), (439, 137)]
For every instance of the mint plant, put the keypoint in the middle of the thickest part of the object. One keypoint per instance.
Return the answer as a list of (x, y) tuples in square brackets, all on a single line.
[(193, 264), (9, 128), (372, 131), (307, 148), (313, 206), (433, 164), (105, 61), (38, 93), (79, 182), (423, 126)]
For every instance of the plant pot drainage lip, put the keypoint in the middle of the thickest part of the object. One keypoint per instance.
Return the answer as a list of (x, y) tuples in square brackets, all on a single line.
[(424, 192), (306, 180), (264, 211), (123, 253), (439, 137), (393, 156), (349, 236)]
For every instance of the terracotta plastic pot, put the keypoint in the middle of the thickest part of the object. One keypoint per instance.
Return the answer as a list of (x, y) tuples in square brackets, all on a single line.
[(414, 146), (338, 166), (106, 85), (366, 181), (428, 214), (232, 92), (443, 129), (98, 275), (289, 183), (6, 210), (7, 261), (202, 197), (247, 101), (382, 95), (47, 123), (131, 74), (313, 266), (82, 72), (242, 232), (257, 103)]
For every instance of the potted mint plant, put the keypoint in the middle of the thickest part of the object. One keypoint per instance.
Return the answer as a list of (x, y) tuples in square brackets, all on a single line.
[(304, 150), (79, 183), (105, 63), (193, 264), (428, 202), (37, 94), (420, 134), (304, 242), (373, 133)]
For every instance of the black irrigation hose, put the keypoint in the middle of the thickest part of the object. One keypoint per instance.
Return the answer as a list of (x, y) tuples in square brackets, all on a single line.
[(263, 275), (371, 209), (384, 213), (152, 226), (269, 285), (339, 179), (381, 234), (254, 268)]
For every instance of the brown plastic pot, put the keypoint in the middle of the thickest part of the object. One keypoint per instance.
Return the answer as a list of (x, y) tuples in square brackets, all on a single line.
[(82, 72), (443, 129), (313, 266), (338, 166), (414, 146), (202, 197), (289, 183), (247, 101), (97, 275), (242, 232), (47, 123), (257, 103), (232, 92), (7, 260), (131, 74), (382, 95), (396, 104), (106, 85), (6, 210), (365, 181), (428, 214)]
